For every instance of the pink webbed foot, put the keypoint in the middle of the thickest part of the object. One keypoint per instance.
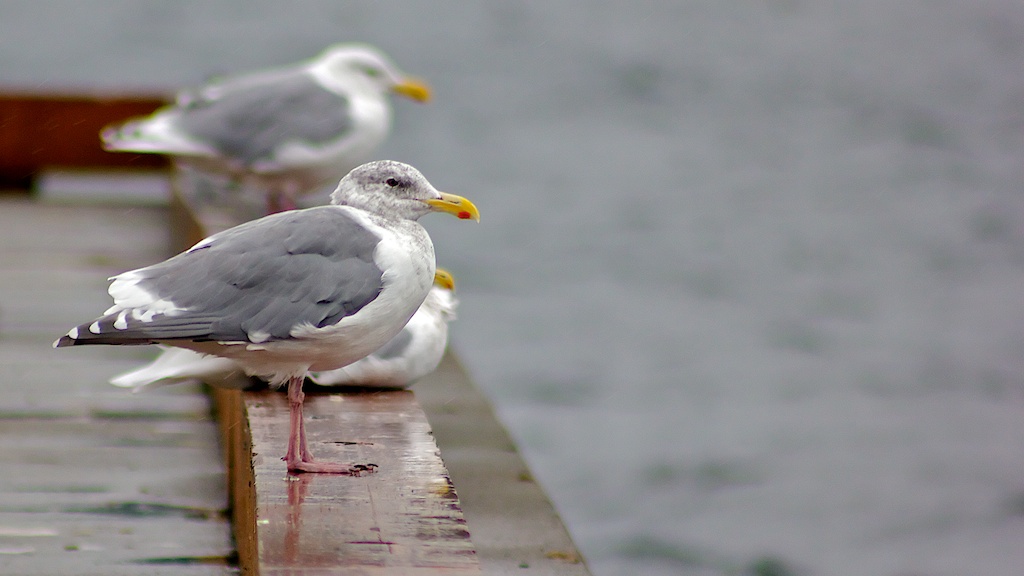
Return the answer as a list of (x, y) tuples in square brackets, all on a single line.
[(298, 457), (331, 468)]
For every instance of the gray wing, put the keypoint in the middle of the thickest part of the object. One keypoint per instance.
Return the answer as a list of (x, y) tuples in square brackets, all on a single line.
[(248, 121), (262, 278)]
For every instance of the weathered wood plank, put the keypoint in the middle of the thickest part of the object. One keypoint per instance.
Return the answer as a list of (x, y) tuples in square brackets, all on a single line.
[(513, 522), (236, 440), (403, 519), (95, 480)]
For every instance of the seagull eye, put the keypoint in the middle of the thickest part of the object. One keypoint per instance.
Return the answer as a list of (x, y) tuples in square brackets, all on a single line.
[(372, 72), (392, 182)]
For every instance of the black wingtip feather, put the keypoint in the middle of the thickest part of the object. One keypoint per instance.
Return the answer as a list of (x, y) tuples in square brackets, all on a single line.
[(64, 341)]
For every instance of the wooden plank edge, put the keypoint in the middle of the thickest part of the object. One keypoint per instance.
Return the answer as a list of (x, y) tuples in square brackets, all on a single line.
[(404, 518), (236, 443)]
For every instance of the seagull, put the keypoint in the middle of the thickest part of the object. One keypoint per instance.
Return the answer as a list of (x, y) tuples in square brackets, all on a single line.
[(292, 292), (413, 353), (287, 130)]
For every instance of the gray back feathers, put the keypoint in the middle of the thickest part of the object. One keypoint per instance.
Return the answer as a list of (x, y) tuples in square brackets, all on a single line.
[(256, 282), (249, 123)]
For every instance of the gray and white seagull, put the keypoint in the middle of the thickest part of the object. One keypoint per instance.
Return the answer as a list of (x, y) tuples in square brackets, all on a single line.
[(287, 130), (293, 292), (415, 352)]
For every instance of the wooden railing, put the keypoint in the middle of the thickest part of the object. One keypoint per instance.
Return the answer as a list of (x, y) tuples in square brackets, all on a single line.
[(44, 130)]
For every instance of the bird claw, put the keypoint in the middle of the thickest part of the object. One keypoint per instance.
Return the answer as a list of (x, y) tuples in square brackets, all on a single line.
[(331, 468), (360, 469)]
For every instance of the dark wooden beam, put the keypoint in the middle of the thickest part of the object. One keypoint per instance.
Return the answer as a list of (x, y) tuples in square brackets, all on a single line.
[(45, 130)]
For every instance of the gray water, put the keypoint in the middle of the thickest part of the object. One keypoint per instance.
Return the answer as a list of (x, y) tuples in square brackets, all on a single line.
[(747, 287)]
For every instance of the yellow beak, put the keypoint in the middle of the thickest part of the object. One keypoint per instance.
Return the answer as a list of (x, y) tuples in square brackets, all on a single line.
[(413, 88), (444, 279), (456, 205)]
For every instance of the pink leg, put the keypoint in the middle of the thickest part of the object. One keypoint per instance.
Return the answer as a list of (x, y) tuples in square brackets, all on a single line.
[(298, 457), (297, 431), (275, 202)]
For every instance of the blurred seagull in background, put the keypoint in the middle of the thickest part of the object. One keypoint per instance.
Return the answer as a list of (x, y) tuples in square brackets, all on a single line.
[(286, 131), (293, 292), (413, 353)]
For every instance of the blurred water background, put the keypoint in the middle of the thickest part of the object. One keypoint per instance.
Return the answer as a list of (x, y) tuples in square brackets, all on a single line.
[(748, 284)]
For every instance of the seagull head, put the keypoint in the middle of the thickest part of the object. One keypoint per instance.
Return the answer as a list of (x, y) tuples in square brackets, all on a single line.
[(364, 65), (444, 279), (393, 189), (441, 298)]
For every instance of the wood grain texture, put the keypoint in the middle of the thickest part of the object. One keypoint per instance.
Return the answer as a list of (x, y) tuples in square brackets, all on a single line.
[(95, 480), (403, 519)]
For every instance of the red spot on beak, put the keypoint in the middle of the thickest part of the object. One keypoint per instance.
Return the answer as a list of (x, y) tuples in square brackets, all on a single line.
[(465, 215)]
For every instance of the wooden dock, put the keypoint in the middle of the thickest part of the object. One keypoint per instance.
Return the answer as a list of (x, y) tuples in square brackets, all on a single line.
[(451, 495), (95, 480)]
